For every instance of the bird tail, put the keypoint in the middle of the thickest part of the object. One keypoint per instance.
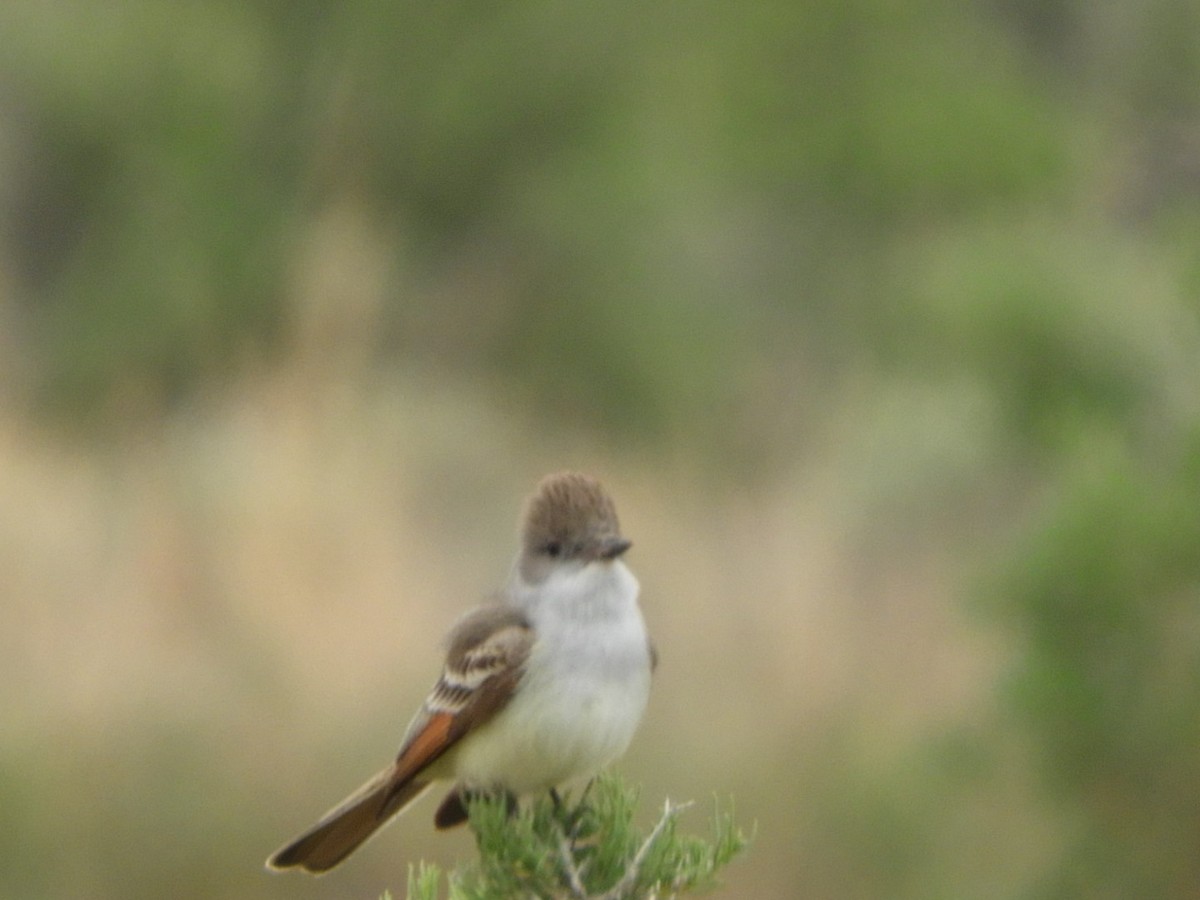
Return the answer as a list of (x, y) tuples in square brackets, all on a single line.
[(345, 827)]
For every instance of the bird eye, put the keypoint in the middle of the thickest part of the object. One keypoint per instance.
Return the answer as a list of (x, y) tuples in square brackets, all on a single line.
[(553, 549)]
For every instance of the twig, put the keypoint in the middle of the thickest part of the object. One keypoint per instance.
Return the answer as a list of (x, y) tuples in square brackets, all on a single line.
[(574, 877), (629, 879)]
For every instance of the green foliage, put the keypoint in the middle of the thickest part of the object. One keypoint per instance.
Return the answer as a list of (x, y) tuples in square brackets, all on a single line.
[(1104, 592), (589, 849), (608, 208)]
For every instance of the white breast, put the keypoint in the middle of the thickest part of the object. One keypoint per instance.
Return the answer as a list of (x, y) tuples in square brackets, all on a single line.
[(584, 692)]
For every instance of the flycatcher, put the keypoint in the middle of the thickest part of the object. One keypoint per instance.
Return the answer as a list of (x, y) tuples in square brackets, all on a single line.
[(543, 685)]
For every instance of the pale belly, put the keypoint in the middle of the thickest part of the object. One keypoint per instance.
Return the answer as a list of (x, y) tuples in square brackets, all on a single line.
[(559, 727)]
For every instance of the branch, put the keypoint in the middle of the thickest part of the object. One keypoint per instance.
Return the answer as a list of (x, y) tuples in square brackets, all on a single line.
[(589, 850), (570, 869), (629, 879)]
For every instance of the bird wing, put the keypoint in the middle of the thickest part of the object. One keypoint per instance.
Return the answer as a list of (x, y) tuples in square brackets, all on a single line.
[(488, 650)]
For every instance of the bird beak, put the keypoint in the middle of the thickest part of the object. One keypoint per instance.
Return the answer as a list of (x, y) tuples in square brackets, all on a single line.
[(611, 548)]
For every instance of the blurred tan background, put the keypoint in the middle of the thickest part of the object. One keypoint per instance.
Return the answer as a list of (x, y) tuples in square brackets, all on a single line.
[(880, 323)]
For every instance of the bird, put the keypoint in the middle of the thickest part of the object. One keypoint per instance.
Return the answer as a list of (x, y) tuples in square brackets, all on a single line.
[(544, 684)]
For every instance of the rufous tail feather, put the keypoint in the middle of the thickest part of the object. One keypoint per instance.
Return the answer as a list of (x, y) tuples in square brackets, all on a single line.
[(345, 827)]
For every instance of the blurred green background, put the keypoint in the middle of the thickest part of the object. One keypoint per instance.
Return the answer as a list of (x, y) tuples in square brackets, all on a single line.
[(879, 320)]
